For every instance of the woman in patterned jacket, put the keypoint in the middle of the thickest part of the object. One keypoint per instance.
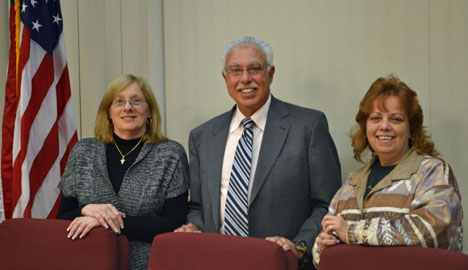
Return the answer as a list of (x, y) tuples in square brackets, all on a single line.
[(129, 178), (405, 195)]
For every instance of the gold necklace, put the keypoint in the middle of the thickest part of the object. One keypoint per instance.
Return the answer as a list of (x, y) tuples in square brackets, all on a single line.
[(123, 156)]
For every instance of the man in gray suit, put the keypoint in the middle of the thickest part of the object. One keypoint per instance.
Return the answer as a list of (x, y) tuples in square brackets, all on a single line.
[(293, 163)]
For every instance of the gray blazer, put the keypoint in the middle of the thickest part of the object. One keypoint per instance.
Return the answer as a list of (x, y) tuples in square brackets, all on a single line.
[(297, 174)]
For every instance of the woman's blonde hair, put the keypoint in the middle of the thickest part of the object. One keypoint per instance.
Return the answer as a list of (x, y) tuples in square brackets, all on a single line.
[(380, 90), (103, 127)]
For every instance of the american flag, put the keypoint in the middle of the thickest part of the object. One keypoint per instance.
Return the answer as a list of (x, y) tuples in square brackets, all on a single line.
[(39, 119)]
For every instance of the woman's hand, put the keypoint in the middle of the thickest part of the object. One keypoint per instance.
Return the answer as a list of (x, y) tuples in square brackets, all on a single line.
[(286, 244), (188, 228), (336, 224), (106, 214), (80, 226), (325, 240)]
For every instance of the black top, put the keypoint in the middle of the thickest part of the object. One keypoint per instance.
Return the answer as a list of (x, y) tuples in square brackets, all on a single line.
[(378, 172), (115, 168), (142, 228)]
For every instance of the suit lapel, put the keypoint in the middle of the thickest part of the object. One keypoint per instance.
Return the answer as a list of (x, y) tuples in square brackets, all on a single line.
[(214, 167), (276, 131)]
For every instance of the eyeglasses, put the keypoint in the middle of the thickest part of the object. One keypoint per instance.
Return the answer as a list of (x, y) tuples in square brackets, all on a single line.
[(235, 71), (134, 102)]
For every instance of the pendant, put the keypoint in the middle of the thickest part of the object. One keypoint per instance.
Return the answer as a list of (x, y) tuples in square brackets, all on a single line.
[(122, 160)]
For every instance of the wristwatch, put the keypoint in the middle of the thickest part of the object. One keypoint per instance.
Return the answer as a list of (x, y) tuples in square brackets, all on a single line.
[(301, 246)]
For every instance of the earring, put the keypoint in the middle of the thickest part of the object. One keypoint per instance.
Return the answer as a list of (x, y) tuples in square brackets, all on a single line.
[(149, 120)]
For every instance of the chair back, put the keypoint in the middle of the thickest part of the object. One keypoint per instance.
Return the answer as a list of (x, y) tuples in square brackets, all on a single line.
[(354, 257), (171, 251), (43, 244)]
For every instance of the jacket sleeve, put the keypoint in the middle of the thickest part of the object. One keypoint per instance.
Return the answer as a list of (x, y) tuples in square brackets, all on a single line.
[(67, 183), (324, 179), (331, 211), (433, 219), (69, 206), (195, 214)]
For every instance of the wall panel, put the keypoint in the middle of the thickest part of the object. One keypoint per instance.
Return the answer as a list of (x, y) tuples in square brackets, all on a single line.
[(134, 37), (105, 39), (327, 53), (94, 26), (449, 88), (4, 52), (155, 30), (70, 26)]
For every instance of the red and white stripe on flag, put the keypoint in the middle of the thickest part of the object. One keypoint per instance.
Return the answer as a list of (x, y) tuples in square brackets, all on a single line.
[(39, 128)]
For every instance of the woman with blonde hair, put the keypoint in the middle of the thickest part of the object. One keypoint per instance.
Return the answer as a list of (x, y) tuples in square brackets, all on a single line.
[(129, 178)]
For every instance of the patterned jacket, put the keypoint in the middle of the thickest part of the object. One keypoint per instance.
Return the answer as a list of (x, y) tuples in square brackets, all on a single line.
[(159, 172), (417, 204)]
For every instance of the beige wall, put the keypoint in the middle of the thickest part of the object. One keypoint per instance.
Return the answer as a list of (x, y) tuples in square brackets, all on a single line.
[(4, 46), (327, 53), (106, 38)]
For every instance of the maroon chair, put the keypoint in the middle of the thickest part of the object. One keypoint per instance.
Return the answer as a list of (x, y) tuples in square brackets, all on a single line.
[(194, 251), (43, 244), (354, 257)]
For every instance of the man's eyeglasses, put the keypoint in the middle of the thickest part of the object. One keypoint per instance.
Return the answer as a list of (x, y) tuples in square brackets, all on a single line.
[(134, 102), (235, 71)]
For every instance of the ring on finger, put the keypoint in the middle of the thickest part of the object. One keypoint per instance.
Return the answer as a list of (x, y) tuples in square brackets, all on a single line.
[(104, 215), (284, 241), (330, 227)]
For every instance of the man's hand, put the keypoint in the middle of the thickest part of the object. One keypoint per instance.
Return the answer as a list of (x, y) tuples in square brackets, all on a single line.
[(287, 245)]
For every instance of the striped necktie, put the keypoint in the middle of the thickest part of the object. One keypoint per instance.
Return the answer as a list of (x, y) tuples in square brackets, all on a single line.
[(236, 215)]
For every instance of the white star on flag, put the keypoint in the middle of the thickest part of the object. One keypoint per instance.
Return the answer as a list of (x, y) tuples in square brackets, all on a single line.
[(57, 19), (36, 25)]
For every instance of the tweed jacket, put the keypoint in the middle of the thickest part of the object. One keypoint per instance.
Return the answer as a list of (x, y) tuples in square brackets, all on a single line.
[(159, 172), (417, 204)]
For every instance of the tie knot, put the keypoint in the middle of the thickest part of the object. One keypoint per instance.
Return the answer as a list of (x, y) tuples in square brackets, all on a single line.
[(247, 123)]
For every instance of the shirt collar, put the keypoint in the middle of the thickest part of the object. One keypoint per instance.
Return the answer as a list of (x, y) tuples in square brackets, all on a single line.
[(259, 117), (408, 165)]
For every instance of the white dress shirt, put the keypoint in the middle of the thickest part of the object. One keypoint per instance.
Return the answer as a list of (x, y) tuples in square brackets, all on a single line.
[(235, 132)]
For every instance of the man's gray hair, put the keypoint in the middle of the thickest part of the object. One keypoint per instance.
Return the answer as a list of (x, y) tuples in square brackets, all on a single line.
[(263, 45)]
